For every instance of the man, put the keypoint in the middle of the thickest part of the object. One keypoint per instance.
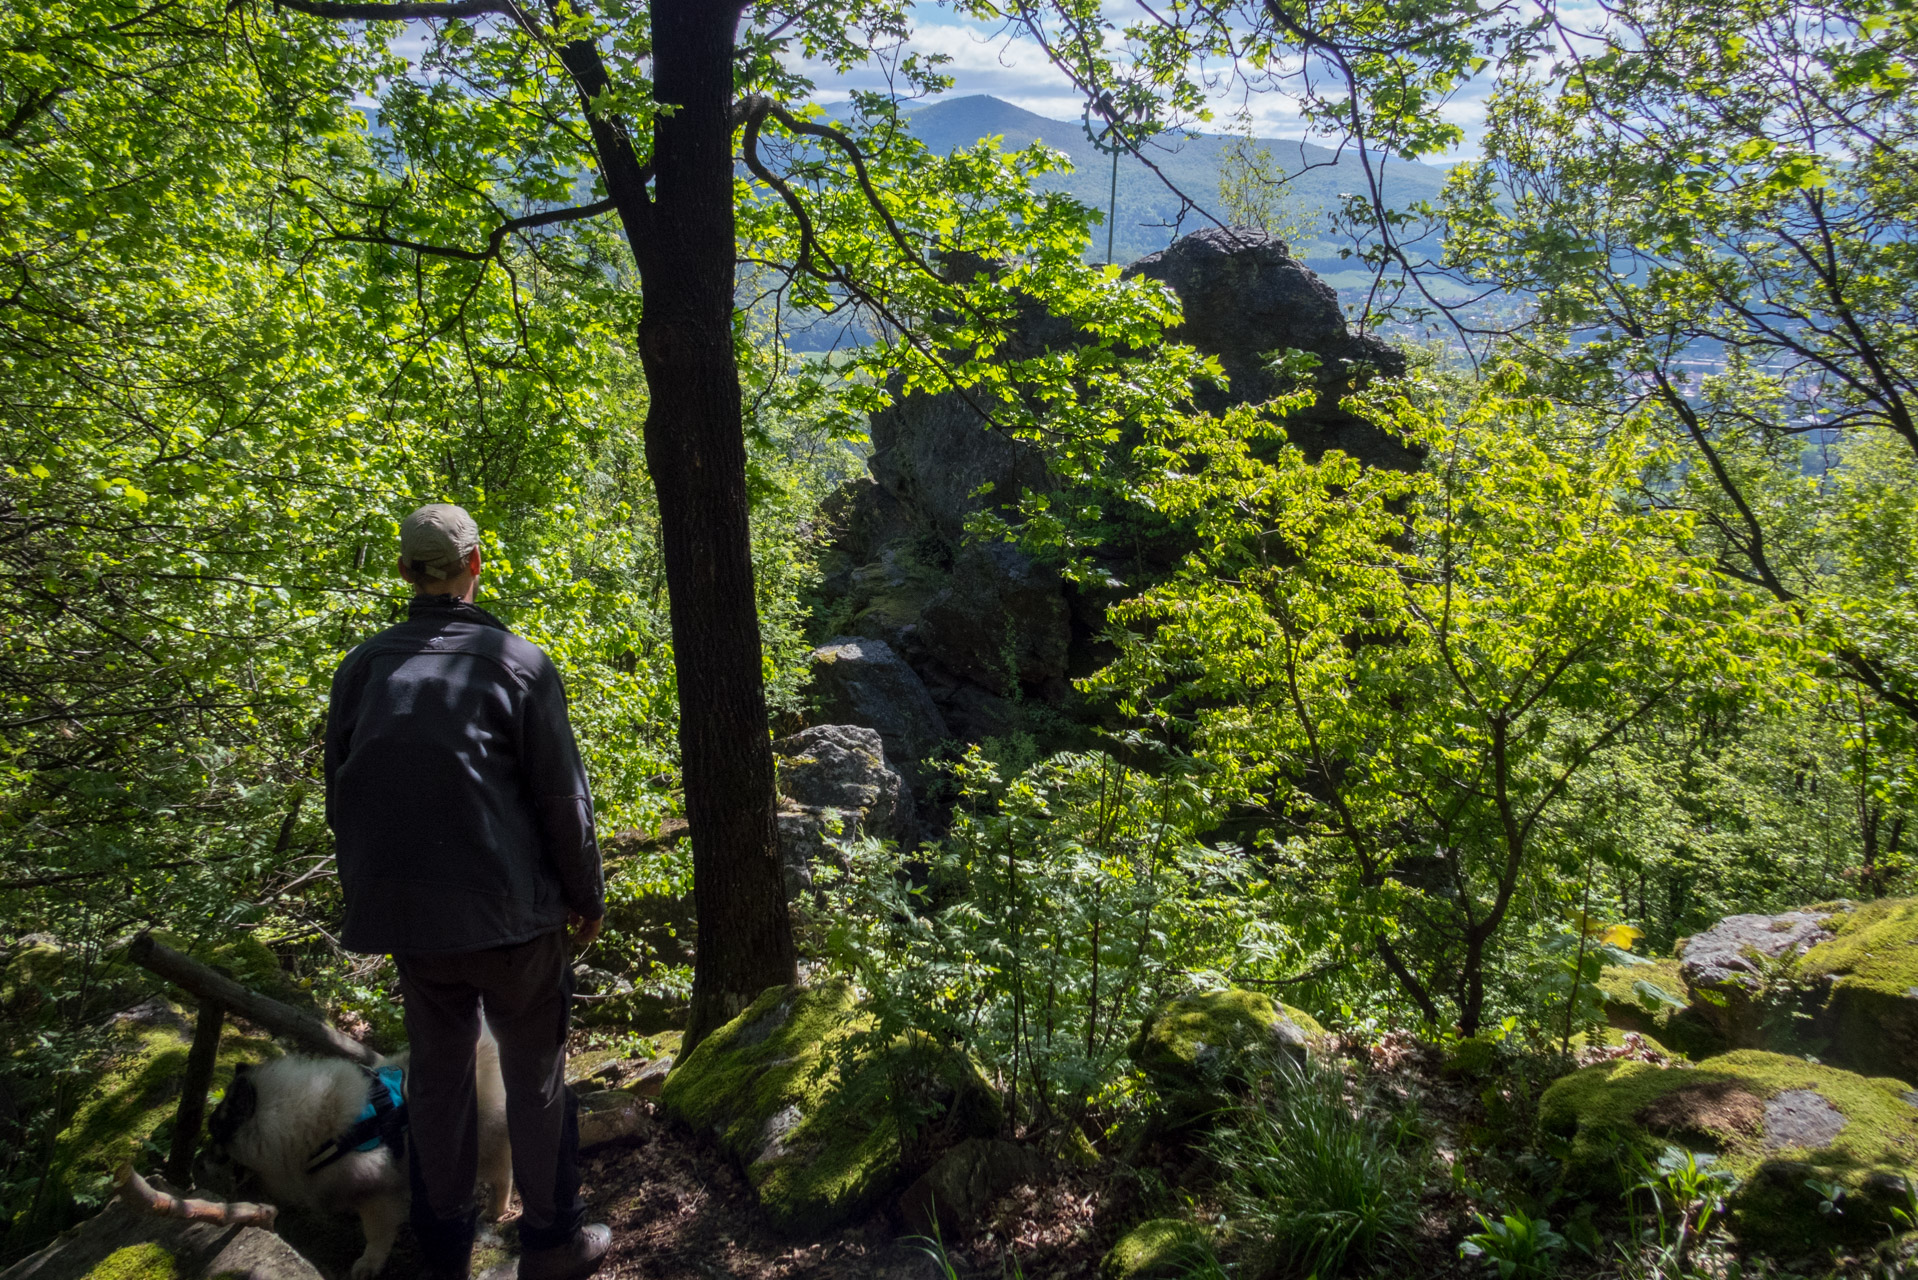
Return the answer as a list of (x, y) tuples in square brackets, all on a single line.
[(465, 835)]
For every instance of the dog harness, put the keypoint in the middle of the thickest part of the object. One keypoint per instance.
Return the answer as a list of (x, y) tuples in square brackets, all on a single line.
[(382, 1122)]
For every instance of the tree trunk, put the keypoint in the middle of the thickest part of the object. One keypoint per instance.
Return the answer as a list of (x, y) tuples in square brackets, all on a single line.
[(696, 450)]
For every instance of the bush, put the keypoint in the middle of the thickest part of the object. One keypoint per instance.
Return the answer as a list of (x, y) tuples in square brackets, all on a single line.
[(1316, 1180)]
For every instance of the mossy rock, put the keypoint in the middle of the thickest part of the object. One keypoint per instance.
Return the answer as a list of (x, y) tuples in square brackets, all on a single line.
[(127, 1114), (1775, 1122), (1870, 1013), (147, 1261), (1158, 1249), (1199, 1049), (1629, 1006), (824, 1117)]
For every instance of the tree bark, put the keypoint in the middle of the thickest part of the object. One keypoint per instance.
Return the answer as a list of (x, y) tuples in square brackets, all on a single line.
[(696, 450)]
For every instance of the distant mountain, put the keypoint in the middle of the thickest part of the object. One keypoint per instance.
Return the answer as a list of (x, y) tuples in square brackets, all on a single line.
[(1145, 208)]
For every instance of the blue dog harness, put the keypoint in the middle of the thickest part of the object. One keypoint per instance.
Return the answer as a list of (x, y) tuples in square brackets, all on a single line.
[(381, 1122)]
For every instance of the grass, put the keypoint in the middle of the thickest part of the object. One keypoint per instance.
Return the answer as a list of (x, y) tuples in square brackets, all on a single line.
[(1319, 1182)]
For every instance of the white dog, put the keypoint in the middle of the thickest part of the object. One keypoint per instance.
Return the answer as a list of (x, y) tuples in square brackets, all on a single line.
[(281, 1121)]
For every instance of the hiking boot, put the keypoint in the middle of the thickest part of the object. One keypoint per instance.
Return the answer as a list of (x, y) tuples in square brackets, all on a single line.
[(574, 1260)]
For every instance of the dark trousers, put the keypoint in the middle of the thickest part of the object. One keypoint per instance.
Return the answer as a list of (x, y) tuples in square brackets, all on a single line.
[(527, 992)]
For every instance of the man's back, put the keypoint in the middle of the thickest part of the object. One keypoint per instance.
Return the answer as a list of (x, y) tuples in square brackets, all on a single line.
[(454, 788)]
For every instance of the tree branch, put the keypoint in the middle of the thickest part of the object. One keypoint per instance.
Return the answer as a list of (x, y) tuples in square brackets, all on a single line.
[(400, 10)]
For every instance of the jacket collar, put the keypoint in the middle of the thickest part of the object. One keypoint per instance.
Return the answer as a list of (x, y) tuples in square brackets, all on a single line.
[(450, 608)]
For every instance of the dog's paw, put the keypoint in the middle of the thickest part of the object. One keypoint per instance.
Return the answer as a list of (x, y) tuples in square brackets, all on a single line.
[(365, 1267)]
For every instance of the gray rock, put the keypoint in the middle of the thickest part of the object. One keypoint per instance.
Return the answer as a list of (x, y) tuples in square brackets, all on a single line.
[(1723, 967), (865, 682), (1801, 1118), (1003, 621), (608, 1115), (198, 1249), (836, 785), (965, 1181)]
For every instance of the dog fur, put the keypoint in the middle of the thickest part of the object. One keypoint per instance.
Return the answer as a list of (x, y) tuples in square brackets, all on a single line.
[(276, 1115)]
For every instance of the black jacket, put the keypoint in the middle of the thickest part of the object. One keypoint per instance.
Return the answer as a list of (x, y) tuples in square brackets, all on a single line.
[(454, 788)]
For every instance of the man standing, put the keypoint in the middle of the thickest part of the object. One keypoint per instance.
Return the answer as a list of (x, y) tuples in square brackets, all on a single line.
[(465, 834)]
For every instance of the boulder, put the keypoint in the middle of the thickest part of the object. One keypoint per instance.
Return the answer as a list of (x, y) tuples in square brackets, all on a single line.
[(1158, 1249), (1650, 999), (1198, 1050), (965, 1181), (1002, 622), (1869, 1014), (864, 682), (608, 1115), (1244, 297), (835, 784), (1727, 968), (120, 1243), (825, 1115), (1775, 1122)]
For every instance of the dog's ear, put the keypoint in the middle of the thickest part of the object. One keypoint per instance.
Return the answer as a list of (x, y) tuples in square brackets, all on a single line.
[(236, 1108)]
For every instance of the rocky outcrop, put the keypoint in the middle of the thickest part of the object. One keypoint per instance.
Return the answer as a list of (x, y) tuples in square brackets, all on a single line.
[(862, 681), (835, 785), (825, 1118), (1777, 1123), (1245, 297), (991, 636)]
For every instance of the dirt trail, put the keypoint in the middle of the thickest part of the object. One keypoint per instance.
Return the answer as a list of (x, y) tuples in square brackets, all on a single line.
[(679, 1211)]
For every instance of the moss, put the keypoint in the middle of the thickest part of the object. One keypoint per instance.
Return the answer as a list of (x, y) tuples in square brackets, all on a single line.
[(1158, 1249), (1201, 1041), (824, 1118), (129, 1108), (1870, 1012), (135, 1262), (1677, 1028), (1607, 1112)]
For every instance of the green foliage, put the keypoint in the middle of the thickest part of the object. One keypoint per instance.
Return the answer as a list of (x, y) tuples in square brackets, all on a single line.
[(1517, 1245), (1067, 902), (1318, 1181), (1518, 597)]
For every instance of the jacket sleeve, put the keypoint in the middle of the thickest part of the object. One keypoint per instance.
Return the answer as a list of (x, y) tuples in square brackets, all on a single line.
[(340, 711), (556, 777)]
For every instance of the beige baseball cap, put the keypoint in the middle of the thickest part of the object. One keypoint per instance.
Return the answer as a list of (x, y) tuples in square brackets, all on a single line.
[(437, 538)]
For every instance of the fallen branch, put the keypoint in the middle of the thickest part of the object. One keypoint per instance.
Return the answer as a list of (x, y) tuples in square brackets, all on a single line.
[(305, 1029), (139, 1193)]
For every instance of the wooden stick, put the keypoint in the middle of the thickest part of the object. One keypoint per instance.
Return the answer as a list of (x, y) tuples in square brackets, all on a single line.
[(139, 1193), (304, 1029), (199, 1078)]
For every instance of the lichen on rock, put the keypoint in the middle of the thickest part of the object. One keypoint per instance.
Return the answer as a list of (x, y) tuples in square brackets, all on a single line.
[(823, 1114), (1775, 1122)]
